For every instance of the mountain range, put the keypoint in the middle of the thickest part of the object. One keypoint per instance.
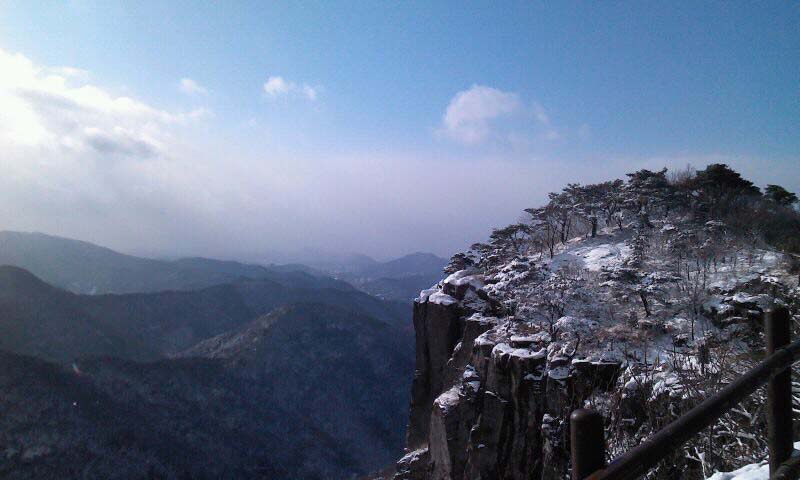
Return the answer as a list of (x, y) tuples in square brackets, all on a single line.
[(115, 366), (398, 279), (82, 267)]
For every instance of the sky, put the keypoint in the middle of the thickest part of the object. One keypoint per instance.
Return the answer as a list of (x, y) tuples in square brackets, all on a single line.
[(269, 131)]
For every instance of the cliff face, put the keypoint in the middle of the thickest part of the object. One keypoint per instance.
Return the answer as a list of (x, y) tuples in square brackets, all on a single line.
[(486, 404), (438, 329), (494, 386)]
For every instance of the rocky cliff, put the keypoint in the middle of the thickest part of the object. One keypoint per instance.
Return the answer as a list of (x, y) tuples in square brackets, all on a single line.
[(640, 319), (488, 399)]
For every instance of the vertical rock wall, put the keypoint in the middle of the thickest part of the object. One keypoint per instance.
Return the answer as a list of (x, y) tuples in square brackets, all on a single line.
[(487, 404)]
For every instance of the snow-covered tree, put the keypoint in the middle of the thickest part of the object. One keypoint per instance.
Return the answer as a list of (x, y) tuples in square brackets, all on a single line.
[(459, 261), (512, 239), (635, 277), (555, 294), (780, 195), (647, 192), (544, 227), (719, 189)]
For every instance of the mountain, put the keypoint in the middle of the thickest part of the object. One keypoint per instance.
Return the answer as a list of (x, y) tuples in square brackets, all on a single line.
[(638, 299), (400, 279), (346, 372), (36, 318), (106, 418), (82, 267), (413, 264), (241, 380), (351, 262), (47, 322), (398, 289), (418, 263)]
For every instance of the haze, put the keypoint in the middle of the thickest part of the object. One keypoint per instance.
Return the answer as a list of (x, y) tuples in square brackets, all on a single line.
[(273, 132)]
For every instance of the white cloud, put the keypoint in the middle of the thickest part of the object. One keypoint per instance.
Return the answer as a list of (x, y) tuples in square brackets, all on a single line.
[(80, 157), (277, 86), (549, 132), (54, 109), (70, 72), (468, 116), (191, 87), (483, 113)]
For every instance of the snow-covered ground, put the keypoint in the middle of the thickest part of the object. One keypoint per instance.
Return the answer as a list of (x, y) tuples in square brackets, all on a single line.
[(753, 471)]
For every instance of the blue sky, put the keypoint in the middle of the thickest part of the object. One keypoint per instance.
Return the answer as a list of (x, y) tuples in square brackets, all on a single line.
[(386, 127)]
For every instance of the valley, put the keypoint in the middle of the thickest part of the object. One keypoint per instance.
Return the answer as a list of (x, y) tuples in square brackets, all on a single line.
[(113, 385)]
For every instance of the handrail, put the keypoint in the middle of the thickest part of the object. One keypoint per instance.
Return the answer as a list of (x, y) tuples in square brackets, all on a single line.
[(639, 460)]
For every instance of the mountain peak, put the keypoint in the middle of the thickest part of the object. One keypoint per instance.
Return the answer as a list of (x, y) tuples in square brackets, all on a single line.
[(18, 281)]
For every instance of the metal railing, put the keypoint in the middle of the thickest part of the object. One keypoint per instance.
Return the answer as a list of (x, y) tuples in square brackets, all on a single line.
[(587, 433)]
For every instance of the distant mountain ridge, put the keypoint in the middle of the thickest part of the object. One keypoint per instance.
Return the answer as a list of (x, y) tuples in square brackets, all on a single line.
[(400, 279), (417, 263), (86, 268), (41, 320), (83, 267)]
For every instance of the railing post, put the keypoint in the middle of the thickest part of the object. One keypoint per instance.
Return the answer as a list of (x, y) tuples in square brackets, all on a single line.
[(587, 443), (777, 334)]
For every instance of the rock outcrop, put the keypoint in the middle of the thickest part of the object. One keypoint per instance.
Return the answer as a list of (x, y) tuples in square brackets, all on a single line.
[(494, 383), (638, 298), (489, 398), (438, 328)]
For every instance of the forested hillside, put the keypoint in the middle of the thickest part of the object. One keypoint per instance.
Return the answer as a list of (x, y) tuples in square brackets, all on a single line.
[(144, 386)]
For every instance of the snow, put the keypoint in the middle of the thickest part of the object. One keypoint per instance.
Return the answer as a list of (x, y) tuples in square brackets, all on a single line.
[(425, 294), (413, 456), (448, 399), (470, 379), (487, 338), (763, 301), (465, 277), (434, 295), (441, 298), (592, 255), (461, 278), (573, 324), (603, 256), (754, 471), (665, 382), (505, 348), (524, 339), (470, 383)]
